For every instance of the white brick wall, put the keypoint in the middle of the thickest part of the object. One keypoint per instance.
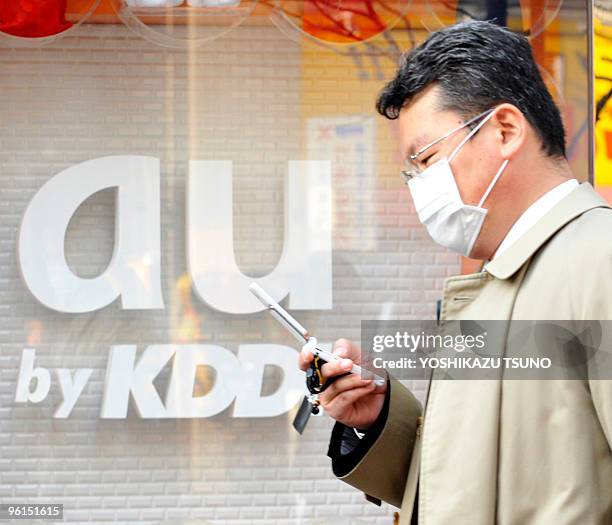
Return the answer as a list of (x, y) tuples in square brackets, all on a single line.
[(104, 91)]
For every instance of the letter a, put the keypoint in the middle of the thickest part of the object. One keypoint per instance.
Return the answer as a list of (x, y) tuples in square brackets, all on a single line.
[(134, 271)]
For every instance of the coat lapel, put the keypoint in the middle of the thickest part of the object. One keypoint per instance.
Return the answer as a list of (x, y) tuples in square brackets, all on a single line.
[(582, 199)]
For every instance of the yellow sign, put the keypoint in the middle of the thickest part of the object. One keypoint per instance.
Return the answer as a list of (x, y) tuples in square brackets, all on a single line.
[(603, 99)]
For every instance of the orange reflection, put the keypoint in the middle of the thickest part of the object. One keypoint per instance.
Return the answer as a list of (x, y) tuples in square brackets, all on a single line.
[(188, 319), (34, 329)]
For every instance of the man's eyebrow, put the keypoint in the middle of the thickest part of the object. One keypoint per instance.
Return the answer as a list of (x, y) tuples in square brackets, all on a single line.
[(416, 145)]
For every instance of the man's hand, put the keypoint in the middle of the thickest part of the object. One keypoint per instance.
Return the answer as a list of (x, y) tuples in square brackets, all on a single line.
[(350, 400)]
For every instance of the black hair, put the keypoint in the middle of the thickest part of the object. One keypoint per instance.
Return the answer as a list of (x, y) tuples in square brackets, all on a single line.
[(476, 66)]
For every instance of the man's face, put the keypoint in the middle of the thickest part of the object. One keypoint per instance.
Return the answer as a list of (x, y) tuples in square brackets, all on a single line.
[(421, 122)]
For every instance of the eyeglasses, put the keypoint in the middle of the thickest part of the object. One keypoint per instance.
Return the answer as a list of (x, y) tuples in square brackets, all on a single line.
[(414, 169)]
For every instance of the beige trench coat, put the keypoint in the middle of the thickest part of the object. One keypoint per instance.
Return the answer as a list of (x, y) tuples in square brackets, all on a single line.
[(515, 452)]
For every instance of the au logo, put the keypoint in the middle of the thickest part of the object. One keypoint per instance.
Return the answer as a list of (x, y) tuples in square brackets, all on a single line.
[(134, 276), (134, 272)]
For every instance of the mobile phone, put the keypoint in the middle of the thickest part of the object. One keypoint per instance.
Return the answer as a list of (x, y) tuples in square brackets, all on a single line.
[(302, 335)]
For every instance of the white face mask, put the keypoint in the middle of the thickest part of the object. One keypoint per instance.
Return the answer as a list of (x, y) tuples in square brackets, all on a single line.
[(449, 221)]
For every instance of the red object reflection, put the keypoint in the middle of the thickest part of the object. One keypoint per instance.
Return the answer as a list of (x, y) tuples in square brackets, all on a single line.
[(343, 21), (33, 18)]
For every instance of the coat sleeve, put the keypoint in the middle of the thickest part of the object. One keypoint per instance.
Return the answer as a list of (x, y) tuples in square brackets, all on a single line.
[(379, 464)]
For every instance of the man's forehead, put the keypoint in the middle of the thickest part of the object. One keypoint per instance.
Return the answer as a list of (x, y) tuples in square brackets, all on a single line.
[(415, 123), (413, 137), (418, 131)]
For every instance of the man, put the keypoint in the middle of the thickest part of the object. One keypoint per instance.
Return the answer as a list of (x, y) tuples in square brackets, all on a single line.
[(486, 168)]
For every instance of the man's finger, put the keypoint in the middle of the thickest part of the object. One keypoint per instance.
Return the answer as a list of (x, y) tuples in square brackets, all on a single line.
[(344, 348), (342, 384), (338, 406), (305, 358), (336, 368)]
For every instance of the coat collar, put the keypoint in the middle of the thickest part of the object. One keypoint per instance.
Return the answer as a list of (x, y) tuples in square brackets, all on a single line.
[(581, 199)]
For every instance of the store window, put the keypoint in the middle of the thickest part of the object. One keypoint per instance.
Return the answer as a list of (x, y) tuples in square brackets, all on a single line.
[(158, 156)]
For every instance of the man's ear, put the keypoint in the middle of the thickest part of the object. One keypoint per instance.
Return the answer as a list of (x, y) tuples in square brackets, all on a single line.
[(511, 130)]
